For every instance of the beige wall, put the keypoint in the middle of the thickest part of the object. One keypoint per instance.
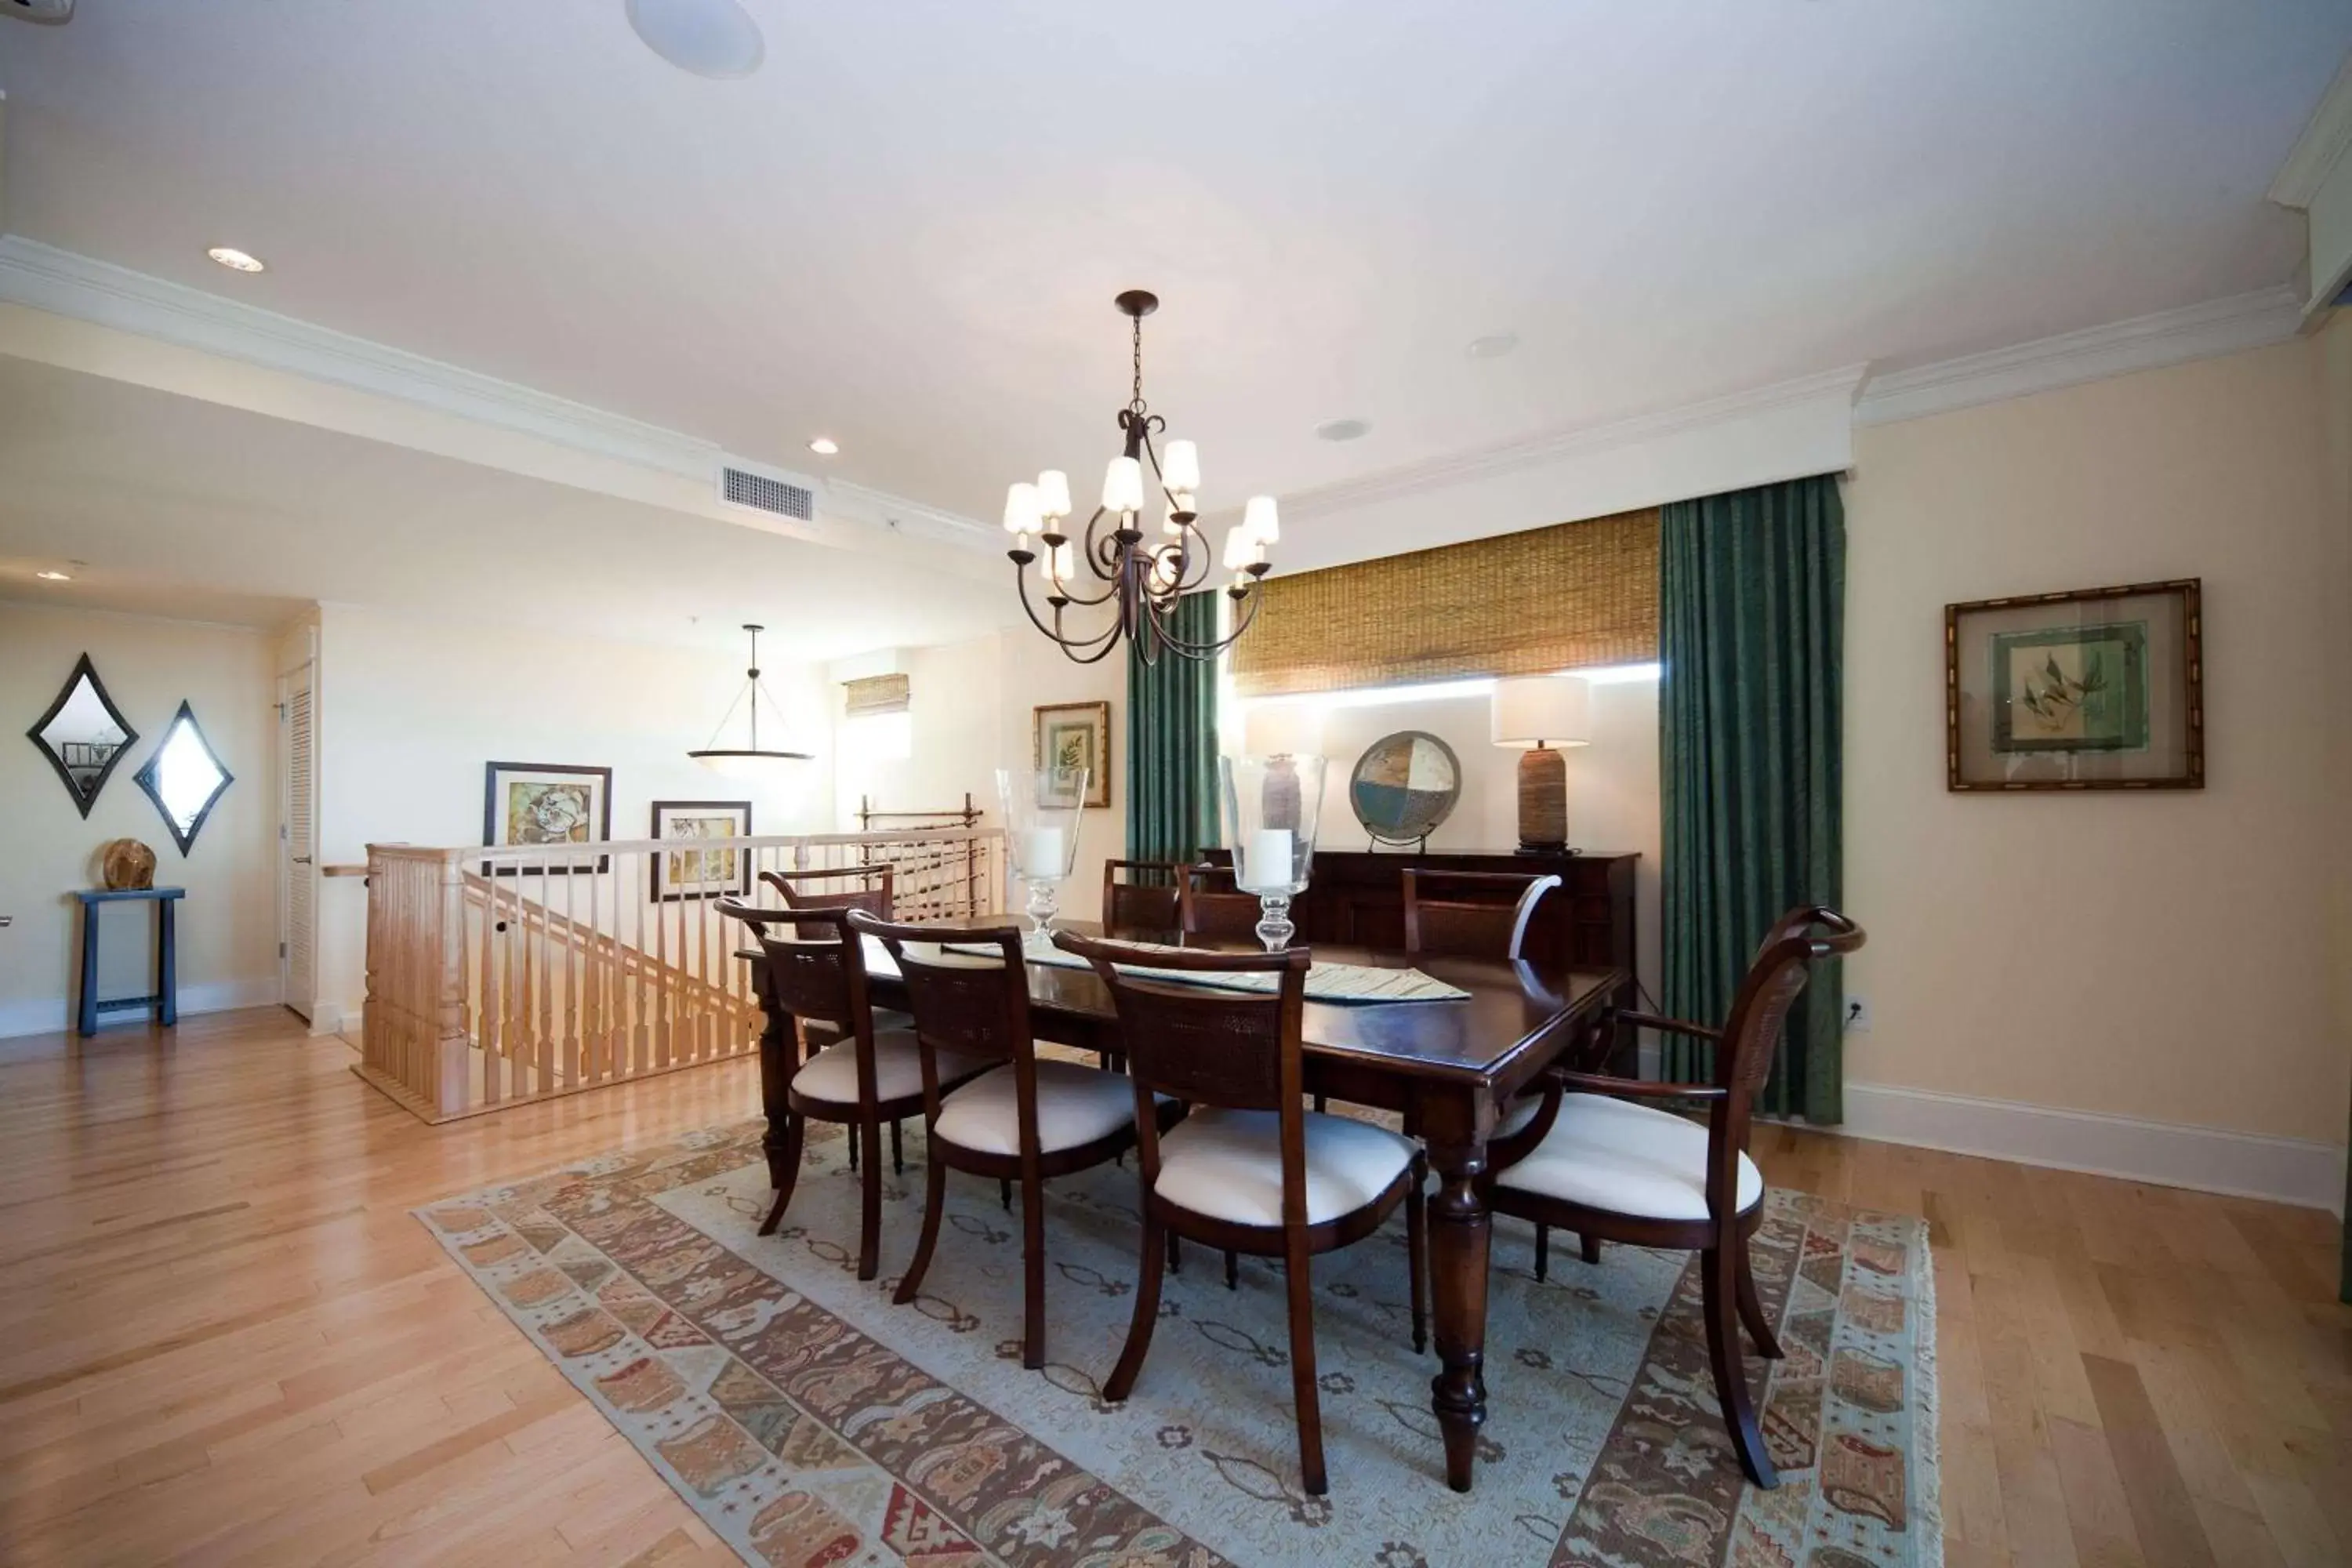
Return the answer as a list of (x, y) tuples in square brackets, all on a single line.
[(2165, 956), (969, 713), (2335, 349), (229, 921), (411, 710)]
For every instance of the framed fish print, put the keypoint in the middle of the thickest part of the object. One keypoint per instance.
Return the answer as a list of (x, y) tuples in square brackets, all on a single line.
[(700, 873), (550, 804), (2094, 689), (1076, 736)]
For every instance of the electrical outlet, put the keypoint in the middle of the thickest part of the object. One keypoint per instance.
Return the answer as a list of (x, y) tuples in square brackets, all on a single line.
[(1857, 1014)]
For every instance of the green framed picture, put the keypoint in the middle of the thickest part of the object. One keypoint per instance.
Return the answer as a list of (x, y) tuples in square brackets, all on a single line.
[(2071, 689), (2088, 689)]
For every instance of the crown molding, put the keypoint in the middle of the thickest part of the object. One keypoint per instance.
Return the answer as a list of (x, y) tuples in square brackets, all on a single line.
[(915, 520), (1576, 442), (2143, 342), (78, 288), (2323, 142), (83, 289)]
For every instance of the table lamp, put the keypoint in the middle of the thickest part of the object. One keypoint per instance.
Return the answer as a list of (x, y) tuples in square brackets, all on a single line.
[(1541, 712)]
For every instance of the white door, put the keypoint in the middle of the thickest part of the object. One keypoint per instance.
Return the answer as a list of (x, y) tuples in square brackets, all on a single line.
[(298, 845)]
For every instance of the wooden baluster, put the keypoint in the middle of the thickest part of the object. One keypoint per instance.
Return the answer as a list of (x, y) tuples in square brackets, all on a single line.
[(485, 996), (454, 1048)]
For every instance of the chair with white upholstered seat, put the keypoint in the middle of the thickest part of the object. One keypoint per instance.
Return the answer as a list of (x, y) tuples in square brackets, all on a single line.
[(1251, 1169), (1028, 1121), (1611, 1169), (863, 1078), (860, 886)]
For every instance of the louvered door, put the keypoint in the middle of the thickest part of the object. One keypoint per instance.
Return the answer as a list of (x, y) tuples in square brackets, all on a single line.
[(298, 846)]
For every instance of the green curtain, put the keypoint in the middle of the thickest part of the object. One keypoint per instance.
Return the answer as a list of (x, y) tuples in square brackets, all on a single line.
[(1751, 610), (1171, 744)]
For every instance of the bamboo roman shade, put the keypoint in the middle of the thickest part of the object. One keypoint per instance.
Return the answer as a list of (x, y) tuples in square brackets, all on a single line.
[(871, 694), (1577, 594)]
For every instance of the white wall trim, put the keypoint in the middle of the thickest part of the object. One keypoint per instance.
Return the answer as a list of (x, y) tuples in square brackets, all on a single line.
[(2143, 342), (1580, 441), (2166, 1154), (55, 1015), (2316, 152), (78, 288)]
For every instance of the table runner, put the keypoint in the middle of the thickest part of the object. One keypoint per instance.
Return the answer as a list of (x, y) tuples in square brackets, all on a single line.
[(1344, 983)]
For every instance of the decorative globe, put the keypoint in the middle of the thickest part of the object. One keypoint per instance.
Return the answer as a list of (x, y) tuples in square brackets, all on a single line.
[(125, 863)]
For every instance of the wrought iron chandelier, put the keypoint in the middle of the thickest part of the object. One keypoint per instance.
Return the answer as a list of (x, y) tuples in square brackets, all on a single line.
[(1144, 576)]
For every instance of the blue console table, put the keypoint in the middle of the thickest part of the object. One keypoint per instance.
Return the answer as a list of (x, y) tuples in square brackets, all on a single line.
[(166, 999)]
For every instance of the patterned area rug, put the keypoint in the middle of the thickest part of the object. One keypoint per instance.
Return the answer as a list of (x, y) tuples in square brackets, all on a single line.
[(810, 1422)]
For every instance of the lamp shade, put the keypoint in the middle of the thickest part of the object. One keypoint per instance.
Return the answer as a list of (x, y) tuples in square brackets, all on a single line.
[(1549, 709)]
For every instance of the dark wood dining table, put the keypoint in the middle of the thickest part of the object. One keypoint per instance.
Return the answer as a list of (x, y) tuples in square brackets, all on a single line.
[(1449, 1066)]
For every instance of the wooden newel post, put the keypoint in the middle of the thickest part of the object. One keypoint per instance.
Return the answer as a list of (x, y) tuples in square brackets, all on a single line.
[(453, 1069)]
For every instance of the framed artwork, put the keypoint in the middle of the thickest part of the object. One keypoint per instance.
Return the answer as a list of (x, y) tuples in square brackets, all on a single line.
[(2097, 689), (546, 803), (701, 873), (1076, 736)]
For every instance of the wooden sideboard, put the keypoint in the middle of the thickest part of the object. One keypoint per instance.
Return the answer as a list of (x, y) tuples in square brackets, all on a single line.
[(1357, 897)]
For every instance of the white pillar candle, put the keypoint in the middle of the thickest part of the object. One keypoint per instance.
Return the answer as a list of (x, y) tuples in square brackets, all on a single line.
[(1269, 860), (1041, 852)]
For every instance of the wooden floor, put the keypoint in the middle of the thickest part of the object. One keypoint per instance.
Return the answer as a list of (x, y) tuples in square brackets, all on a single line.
[(222, 1338)]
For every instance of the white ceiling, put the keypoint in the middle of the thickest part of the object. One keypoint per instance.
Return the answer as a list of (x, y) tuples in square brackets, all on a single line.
[(905, 230), (185, 508)]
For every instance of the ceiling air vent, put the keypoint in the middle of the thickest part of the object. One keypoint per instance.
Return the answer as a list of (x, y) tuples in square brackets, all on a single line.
[(763, 493)]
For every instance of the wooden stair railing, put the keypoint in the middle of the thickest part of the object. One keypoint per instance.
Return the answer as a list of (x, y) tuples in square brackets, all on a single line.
[(501, 976)]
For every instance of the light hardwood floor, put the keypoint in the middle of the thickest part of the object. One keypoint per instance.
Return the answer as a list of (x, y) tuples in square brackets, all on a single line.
[(222, 1338)]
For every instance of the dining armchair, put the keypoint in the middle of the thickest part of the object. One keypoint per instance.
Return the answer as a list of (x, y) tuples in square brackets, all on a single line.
[(1213, 908), (1148, 903), (805, 890), (871, 892), (1028, 1121), (1471, 914), (1250, 1169), (864, 1078), (1606, 1166)]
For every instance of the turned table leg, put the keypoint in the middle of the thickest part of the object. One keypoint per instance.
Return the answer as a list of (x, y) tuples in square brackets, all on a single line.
[(1459, 1229)]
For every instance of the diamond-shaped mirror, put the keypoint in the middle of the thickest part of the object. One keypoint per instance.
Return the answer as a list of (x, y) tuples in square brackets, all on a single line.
[(184, 778), (83, 734)]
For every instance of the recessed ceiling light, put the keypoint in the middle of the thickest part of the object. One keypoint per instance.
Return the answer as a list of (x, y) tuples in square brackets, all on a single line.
[(236, 260), (1342, 429), (825, 445), (53, 576), (714, 38), (1493, 345)]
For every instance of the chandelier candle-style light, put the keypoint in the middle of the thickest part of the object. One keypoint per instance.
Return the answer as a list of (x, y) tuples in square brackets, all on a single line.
[(1144, 575)]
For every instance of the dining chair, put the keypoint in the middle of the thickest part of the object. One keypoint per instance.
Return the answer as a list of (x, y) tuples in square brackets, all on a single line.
[(1213, 907), (860, 1080), (799, 889), (1250, 1169), (1149, 903), (873, 895), (1031, 1119), (1487, 914), (1608, 1167)]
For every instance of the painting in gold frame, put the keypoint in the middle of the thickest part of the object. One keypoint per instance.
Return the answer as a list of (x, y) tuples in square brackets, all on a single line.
[(1076, 736)]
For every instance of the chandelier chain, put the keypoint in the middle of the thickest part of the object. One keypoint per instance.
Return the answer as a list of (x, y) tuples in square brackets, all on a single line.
[(1135, 402)]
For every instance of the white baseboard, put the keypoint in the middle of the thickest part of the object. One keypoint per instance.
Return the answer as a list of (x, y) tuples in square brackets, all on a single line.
[(2166, 1154), (54, 1015)]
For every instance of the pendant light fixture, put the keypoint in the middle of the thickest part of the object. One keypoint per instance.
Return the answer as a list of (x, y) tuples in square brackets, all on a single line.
[(1144, 576), (751, 761)]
